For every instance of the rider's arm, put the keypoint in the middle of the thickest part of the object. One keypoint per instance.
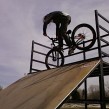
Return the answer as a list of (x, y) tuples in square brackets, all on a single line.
[(44, 29), (45, 26), (47, 20)]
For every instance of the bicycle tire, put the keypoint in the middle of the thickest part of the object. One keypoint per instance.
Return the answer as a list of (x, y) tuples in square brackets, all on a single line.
[(85, 48), (49, 65)]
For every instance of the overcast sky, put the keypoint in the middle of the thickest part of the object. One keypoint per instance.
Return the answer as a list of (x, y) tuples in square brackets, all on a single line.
[(21, 22)]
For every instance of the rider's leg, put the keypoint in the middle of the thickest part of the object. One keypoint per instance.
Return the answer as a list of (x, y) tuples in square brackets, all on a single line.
[(60, 39), (67, 38), (63, 30)]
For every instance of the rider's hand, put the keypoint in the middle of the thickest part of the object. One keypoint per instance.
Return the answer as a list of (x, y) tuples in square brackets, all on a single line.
[(45, 34)]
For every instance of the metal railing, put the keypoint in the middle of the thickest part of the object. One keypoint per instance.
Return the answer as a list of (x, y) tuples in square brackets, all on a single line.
[(100, 37), (32, 60), (84, 54), (102, 54)]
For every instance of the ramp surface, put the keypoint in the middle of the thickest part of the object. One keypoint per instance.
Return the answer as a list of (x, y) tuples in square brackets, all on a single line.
[(45, 90)]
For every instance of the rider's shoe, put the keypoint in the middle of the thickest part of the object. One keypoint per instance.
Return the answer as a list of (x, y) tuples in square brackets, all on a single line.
[(71, 50)]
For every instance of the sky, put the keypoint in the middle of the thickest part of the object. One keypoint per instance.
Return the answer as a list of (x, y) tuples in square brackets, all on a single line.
[(21, 21)]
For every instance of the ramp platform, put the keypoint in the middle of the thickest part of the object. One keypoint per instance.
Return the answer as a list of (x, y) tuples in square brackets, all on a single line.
[(46, 89)]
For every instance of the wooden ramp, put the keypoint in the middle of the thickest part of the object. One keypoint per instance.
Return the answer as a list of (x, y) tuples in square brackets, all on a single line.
[(45, 90)]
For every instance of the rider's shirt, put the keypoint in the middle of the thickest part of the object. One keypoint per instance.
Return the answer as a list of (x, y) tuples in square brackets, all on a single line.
[(62, 20), (56, 17)]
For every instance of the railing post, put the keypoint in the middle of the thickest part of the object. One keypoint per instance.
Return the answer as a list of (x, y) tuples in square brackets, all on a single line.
[(31, 60), (84, 54), (85, 82), (85, 85), (101, 77), (98, 34)]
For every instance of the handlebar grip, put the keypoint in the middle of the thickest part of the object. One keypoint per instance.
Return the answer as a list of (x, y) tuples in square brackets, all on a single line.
[(53, 39)]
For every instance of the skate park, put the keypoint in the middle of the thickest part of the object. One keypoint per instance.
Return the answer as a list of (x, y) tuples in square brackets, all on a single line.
[(49, 89)]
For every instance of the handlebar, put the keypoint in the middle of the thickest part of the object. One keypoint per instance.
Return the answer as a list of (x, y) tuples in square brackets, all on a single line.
[(53, 39)]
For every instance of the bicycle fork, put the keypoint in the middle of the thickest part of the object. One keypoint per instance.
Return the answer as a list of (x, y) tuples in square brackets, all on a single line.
[(55, 57)]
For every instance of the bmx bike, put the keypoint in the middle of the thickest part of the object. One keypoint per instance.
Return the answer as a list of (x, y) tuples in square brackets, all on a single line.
[(83, 37)]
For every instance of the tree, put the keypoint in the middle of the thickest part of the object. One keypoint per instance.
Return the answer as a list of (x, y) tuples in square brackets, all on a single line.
[(75, 95), (107, 90), (94, 92), (1, 88)]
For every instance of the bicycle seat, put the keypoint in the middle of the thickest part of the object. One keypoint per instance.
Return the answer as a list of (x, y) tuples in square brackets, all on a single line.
[(68, 32)]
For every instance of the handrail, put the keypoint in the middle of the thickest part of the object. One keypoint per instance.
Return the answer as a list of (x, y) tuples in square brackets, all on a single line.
[(103, 17), (104, 41), (104, 29), (41, 45), (99, 38)]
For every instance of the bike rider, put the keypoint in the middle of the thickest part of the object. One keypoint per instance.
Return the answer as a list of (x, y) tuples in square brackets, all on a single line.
[(62, 20)]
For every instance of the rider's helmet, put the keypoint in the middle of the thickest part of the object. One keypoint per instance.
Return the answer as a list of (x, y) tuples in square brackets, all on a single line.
[(69, 19)]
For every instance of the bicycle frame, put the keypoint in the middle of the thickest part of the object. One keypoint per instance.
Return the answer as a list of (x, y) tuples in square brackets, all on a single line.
[(53, 41), (80, 38)]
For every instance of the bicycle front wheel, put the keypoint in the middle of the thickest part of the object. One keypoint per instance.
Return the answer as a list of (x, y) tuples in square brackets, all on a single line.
[(54, 58), (83, 36)]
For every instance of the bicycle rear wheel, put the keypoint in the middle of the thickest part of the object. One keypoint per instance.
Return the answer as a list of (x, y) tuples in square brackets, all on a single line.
[(83, 36), (54, 58)]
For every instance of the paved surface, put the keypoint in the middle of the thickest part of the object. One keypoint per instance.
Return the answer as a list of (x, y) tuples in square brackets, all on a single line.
[(45, 90)]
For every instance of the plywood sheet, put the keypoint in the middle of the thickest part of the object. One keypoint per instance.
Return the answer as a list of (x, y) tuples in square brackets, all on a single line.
[(45, 90)]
